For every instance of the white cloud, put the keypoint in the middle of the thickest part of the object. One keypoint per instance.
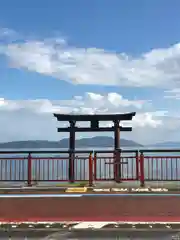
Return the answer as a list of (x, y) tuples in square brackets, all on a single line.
[(33, 119), (147, 119), (173, 94), (54, 57)]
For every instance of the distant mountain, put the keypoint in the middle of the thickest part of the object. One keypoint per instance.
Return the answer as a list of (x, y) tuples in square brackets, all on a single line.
[(168, 144), (101, 141)]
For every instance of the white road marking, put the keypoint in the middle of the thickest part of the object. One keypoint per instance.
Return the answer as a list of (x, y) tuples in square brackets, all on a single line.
[(39, 195), (131, 194), (84, 195), (95, 225)]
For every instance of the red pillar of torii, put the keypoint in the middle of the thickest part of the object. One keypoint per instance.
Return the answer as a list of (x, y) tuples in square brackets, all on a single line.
[(94, 127)]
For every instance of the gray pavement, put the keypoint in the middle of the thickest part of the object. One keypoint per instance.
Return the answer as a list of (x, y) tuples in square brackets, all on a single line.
[(92, 234), (103, 184)]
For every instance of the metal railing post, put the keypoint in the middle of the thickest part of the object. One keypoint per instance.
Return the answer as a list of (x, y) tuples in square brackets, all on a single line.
[(141, 161), (95, 166), (29, 181), (115, 166), (137, 165), (90, 170), (118, 166), (71, 166)]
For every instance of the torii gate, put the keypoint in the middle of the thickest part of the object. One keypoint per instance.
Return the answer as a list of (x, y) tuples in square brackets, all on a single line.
[(94, 127)]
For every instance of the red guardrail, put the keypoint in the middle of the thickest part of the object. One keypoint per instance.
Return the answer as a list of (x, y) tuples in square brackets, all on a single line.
[(116, 165), (45, 166), (155, 166), (64, 166)]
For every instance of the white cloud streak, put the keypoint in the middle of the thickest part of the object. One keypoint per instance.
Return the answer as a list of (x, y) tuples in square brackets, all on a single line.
[(54, 57), (173, 94), (33, 119)]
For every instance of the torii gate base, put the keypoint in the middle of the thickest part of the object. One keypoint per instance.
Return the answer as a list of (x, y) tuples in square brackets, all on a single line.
[(94, 127)]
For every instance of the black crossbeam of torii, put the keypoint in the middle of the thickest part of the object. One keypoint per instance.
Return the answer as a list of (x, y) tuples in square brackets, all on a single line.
[(94, 127), (101, 129)]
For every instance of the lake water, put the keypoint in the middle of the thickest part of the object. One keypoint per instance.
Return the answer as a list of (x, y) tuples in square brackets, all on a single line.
[(54, 169)]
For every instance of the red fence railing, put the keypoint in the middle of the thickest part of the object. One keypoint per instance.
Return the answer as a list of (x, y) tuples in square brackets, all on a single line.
[(159, 165), (122, 165), (119, 165), (45, 166)]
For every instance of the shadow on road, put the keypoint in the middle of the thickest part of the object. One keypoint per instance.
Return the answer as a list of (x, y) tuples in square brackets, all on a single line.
[(90, 234)]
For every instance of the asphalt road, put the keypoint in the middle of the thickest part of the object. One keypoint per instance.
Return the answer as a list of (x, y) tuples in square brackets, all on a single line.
[(89, 234)]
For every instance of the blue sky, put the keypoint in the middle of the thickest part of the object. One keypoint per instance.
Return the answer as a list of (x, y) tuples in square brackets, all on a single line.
[(128, 26), (113, 37)]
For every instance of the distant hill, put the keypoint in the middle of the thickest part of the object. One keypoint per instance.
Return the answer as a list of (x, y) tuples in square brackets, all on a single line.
[(102, 141)]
